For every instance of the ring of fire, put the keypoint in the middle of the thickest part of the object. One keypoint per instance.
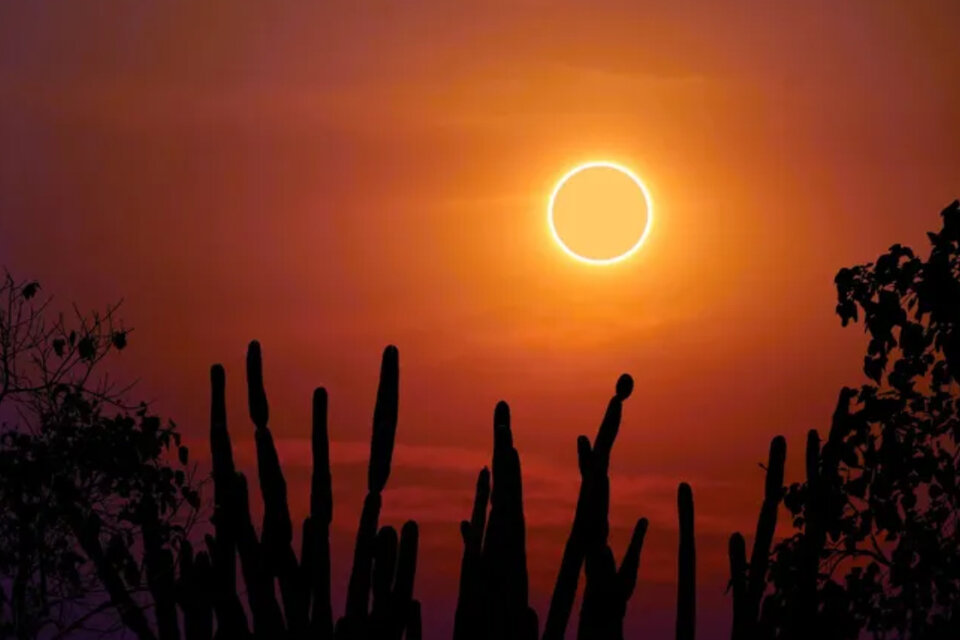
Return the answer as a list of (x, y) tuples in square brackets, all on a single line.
[(600, 217)]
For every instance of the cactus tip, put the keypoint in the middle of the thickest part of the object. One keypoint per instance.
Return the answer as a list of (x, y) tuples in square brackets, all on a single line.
[(501, 415), (410, 528), (778, 447), (624, 386)]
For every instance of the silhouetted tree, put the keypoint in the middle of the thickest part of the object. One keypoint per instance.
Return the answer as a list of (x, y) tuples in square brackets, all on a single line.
[(878, 546), (95, 505)]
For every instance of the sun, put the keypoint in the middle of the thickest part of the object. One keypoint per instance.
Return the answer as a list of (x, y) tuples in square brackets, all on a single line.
[(600, 213)]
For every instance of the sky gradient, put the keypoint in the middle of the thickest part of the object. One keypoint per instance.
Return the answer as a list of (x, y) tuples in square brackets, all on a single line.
[(331, 177)]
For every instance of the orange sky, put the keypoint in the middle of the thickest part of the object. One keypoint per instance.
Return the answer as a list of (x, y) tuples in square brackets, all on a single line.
[(329, 179)]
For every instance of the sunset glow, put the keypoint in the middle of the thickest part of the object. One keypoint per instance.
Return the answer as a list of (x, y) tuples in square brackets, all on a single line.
[(329, 178)]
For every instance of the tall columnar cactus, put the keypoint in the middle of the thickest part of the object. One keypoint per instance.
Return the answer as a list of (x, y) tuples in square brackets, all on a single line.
[(607, 589), (277, 535), (231, 619), (493, 599), (196, 593), (315, 556), (393, 576), (269, 561), (687, 567), (469, 618), (748, 582), (504, 554), (159, 565), (820, 508), (359, 622)]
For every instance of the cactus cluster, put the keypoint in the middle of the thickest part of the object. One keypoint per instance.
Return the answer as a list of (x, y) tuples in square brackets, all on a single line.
[(492, 601), (748, 582), (279, 594), (208, 590), (792, 608)]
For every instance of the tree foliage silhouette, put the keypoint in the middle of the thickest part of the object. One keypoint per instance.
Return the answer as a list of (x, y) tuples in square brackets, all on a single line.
[(878, 547), (95, 504)]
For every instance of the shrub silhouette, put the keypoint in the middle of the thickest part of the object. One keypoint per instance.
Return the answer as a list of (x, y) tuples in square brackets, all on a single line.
[(97, 494)]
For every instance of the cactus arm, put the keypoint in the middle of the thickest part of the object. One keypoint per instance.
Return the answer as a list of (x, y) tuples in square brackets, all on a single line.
[(402, 595), (267, 619), (743, 624), (590, 522), (277, 535), (630, 565), (358, 589), (686, 587), (467, 619), (766, 525), (231, 619), (384, 421), (316, 536), (384, 570), (223, 473)]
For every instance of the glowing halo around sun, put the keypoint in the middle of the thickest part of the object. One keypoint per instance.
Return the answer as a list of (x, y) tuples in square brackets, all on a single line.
[(629, 219)]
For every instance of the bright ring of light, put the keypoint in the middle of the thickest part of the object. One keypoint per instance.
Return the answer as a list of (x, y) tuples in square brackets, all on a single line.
[(608, 165)]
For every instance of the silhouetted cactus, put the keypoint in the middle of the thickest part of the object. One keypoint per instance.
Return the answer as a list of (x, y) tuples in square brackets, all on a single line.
[(748, 582), (316, 528), (607, 590), (493, 600), (686, 567), (195, 593), (358, 621), (159, 565), (270, 561), (393, 577), (231, 619), (277, 535), (468, 620), (820, 505), (504, 553)]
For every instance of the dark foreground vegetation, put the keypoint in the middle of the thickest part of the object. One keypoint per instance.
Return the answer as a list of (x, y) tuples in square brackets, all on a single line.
[(99, 501)]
